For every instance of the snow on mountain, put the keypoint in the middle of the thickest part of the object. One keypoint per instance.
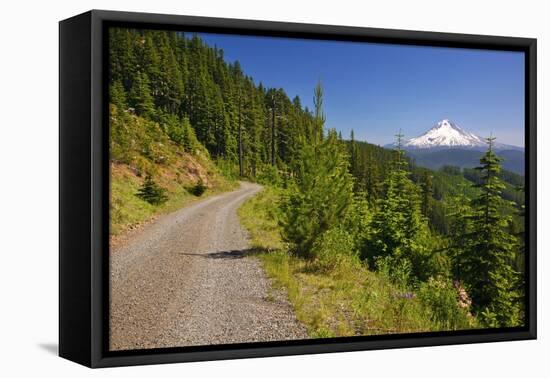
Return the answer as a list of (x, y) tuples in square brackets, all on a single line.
[(445, 134)]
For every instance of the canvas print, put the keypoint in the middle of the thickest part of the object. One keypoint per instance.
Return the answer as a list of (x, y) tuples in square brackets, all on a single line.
[(274, 189)]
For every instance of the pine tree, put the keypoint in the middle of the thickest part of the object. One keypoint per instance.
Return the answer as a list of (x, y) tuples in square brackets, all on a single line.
[(354, 158), (117, 96), (151, 192), (319, 116), (399, 230), (140, 96), (426, 186), (487, 259), (371, 179), (319, 196), (460, 230), (321, 192), (123, 60)]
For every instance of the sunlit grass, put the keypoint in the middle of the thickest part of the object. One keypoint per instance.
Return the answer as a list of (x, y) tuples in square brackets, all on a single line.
[(346, 300), (127, 210)]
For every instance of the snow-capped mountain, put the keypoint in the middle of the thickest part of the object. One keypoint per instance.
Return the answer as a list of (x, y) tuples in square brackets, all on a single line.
[(445, 134), (448, 144)]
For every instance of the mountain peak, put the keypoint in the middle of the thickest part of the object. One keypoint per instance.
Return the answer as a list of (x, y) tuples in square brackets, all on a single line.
[(445, 134)]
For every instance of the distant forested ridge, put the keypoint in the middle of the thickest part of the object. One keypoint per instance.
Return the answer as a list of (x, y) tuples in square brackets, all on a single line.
[(513, 160), (451, 238)]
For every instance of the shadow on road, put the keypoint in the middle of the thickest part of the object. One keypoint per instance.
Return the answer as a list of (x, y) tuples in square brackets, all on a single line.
[(233, 254)]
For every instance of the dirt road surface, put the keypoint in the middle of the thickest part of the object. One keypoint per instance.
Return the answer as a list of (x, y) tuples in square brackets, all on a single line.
[(188, 279)]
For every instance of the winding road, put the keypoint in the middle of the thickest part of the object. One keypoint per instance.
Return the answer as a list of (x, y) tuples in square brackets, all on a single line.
[(187, 279)]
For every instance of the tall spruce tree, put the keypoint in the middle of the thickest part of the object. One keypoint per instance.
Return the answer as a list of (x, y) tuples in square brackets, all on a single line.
[(459, 213), (426, 186), (486, 260), (140, 97), (398, 228), (354, 159), (117, 96)]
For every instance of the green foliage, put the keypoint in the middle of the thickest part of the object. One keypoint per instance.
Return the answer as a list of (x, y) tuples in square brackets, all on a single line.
[(269, 175), (228, 168), (336, 295), (181, 132), (510, 180), (320, 193), (426, 187), (152, 193), (451, 170), (485, 250), (140, 97), (198, 189), (398, 227), (138, 142), (397, 270), (126, 209), (335, 248), (440, 297), (117, 96), (199, 99)]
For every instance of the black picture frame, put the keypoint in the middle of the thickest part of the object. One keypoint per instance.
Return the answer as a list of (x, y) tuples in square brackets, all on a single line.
[(84, 187)]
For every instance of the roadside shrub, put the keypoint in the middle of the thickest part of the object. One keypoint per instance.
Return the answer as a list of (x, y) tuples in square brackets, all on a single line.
[(151, 192), (335, 249), (442, 299), (228, 169), (269, 175), (198, 189), (397, 270)]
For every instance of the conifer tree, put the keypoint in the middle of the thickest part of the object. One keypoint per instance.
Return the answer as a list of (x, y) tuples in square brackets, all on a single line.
[(321, 192), (140, 96), (354, 158), (371, 178), (319, 196), (123, 60), (151, 192), (117, 96), (319, 116), (487, 258), (398, 228), (426, 186), (460, 229)]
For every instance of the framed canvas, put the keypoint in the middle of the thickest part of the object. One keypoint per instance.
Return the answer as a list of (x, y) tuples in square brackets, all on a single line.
[(236, 188)]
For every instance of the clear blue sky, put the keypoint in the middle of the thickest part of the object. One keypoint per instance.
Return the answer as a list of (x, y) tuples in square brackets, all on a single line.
[(378, 89)]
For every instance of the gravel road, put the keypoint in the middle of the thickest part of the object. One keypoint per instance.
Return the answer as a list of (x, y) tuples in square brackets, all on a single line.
[(187, 279)]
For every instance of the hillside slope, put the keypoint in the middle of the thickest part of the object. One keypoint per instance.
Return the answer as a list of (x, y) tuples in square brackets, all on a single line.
[(140, 148)]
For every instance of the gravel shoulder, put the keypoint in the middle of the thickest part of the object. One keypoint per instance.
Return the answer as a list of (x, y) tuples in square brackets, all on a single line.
[(188, 279)]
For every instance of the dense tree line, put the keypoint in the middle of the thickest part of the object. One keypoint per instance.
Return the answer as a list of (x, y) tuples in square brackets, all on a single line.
[(181, 83)]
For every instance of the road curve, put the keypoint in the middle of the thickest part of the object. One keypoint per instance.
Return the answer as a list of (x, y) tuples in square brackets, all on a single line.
[(186, 279)]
